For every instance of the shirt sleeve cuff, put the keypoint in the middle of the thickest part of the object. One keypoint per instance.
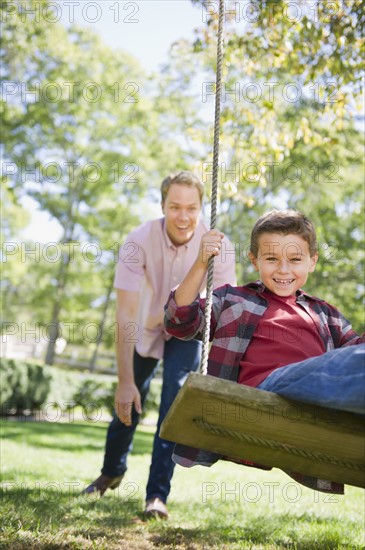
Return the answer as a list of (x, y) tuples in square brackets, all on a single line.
[(180, 314)]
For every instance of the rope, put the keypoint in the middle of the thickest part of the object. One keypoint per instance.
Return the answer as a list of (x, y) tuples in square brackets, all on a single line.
[(213, 216), (275, 445)]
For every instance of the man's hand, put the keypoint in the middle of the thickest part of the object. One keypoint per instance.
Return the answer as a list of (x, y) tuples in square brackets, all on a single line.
[(127, 395)]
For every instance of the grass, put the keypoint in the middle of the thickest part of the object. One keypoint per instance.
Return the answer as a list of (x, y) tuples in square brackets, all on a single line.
[(45, 466)]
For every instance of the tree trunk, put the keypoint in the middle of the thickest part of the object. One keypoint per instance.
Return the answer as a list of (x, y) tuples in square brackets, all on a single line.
[(53, 331), (102, 324)]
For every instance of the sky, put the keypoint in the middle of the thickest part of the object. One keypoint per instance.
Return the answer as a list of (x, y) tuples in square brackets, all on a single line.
[(144, 28)]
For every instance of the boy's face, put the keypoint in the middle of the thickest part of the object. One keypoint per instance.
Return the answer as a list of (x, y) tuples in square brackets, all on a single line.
[(182, 209), (283, 262)]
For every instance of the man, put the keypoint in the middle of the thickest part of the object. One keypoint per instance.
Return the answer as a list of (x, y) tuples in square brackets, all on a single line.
[(155, 258)]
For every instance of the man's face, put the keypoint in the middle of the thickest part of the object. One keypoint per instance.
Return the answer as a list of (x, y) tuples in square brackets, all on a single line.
[(182, 208), (283, 262)]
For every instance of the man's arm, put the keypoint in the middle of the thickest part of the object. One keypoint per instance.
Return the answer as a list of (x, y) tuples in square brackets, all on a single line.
[(126, 393)]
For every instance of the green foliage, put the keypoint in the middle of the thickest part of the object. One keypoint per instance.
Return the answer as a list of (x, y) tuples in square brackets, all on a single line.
[(319, 39), (27, 386), (93, 395), (63, 385), (278, 152), (24, 386), (83, 145), (98, 133)]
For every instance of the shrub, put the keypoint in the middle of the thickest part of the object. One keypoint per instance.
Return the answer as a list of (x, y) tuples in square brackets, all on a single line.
[(93, 395), (24, 386), (27, 386)]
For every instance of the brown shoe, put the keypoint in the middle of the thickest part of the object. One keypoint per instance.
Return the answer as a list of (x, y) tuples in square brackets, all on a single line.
[(155, 508), (102, 483)]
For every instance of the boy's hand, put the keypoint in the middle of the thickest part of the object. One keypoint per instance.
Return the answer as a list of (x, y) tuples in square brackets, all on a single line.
[(210, 245)]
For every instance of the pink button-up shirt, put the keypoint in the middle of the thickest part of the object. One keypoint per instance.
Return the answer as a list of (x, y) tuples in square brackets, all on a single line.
[(150, 264)]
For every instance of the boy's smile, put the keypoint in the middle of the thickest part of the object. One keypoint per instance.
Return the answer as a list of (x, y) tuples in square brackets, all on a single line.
[(283, 262)]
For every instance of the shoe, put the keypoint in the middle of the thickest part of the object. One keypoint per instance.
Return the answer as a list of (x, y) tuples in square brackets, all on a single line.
[(155, 508), (102, 483)]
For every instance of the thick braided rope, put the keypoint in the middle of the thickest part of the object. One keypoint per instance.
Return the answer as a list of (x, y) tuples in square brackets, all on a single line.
[(213, 216), (275, 445)]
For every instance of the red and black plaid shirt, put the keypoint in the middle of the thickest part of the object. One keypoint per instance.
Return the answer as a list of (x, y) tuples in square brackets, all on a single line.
[(236, 312)]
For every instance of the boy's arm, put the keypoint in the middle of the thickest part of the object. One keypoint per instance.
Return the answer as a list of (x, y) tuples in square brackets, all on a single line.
[(340, 328), (184, 312), (351, 338), (225, 265), (188, 289)]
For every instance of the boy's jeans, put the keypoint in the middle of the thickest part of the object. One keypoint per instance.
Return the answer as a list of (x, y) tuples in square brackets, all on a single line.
[(335, 379), (180, 358)]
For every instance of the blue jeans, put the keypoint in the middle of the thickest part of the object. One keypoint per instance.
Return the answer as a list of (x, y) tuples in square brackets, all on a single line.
[(180, 358), (335, 379)]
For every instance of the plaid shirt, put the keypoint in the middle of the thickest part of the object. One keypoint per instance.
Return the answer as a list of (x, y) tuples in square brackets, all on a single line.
[(236, 312)]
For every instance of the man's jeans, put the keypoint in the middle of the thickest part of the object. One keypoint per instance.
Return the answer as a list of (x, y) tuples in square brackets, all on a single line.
[(180, 358), (335, 379)]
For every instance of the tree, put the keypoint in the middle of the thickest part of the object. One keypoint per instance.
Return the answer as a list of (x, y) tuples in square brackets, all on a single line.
[(83, 138), (289, 137)]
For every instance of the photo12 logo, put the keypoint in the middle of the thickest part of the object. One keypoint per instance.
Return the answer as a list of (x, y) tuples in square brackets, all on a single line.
[(54, 172), (268, 92), (53, 491), (69, 91), (256, 11), (71, 11), (252, 492)]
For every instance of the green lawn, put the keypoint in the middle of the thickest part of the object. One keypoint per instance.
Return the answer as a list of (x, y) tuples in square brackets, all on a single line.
[(45, 465)]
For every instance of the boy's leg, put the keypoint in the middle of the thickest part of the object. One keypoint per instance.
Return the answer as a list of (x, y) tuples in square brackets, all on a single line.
[(119, 439), (335, 379), (180, 358)]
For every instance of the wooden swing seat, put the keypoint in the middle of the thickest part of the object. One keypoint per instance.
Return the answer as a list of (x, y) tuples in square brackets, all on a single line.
[(255, 425)]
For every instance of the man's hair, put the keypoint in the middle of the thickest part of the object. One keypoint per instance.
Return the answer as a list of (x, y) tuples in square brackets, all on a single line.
[(181, 178), (284, 222)]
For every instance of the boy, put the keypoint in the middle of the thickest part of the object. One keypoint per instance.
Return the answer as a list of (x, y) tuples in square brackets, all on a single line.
[(270, 334)]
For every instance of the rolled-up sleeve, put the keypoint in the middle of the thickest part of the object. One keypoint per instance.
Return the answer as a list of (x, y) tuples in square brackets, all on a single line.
[(184, 322), (130, 269)]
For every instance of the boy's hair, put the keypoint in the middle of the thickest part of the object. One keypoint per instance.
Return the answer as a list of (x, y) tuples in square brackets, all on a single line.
[(284, 222), (181, 178)]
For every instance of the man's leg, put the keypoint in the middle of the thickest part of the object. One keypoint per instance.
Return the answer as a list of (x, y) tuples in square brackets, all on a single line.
[(180, 358), (119, 440), (335, 379)]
